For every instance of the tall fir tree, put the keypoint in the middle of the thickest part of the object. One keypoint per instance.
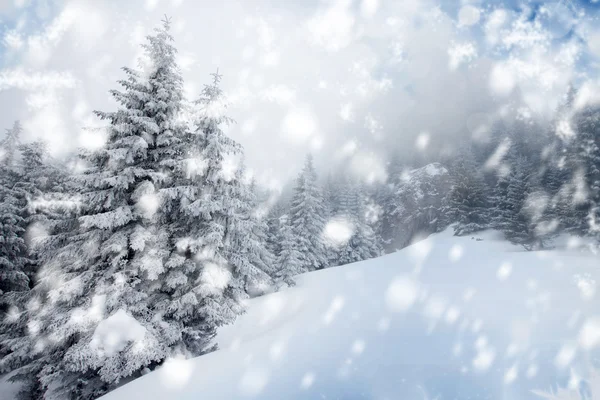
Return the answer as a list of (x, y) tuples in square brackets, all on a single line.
[(362, 244), (14, 260), (584, 154), (288, 260), (467, 203), (110, 267), (307, 218), (44, 213)]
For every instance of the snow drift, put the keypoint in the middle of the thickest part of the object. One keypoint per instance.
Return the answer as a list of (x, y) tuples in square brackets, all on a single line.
[(448, 317)]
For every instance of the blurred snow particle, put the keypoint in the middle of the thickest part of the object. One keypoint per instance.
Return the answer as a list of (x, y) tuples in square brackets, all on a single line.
[(419, 250), (277, 350), (176, 372), (481, 343), (460, 53), (477, 325), (92, 139), (401, 294), (586, 285), (346, 112), (369, 167), (452, 315), (336, 305), (332, 28), (151, 4), (383, 324), (468, 15), (531, 371), (422, 141), (468, 294), (299, 125), (254, 381), (435, 307), (565, 355), (215, 277), (502, 80), (36, 233), (504, 271), (307, 380), (457, 349), (270, 59), (511, 375), (456, 253), (373, 126), (495, 160), (589, 335), (338, 232), (148, 205), (368, 8), (574, 380), (116, 332), (358, 347), (479, 126), (484, 359), (316, 143)]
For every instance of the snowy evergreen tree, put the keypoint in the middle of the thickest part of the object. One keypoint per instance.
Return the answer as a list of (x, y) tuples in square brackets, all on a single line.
[(289, 259), (220, 251), (307, 218), (273, 221), (14, 279), (44, 215), (248, 248), (584, 155), (362, 244), (109, 268), (511, 216), (389, 226), (467, 203)]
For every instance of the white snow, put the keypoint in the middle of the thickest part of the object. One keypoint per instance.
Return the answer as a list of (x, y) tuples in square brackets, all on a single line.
[(368, 330), (116, 332)]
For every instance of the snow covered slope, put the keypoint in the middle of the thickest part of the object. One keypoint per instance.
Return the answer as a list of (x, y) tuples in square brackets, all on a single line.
[(446, 318)]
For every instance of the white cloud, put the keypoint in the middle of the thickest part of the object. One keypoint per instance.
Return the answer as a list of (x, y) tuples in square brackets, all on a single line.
[(593, 42), (13, 40), (495, 22), (35, 80), (468, 15), (460, 53)]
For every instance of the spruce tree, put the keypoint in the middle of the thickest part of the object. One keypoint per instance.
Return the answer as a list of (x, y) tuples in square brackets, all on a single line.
[(584, 154), (14, 279), (467, 203), (289, 259), (362, 243), (110, 266), (307, 218)]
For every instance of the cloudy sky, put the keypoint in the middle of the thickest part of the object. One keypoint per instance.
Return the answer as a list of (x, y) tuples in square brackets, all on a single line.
[(348, 80)]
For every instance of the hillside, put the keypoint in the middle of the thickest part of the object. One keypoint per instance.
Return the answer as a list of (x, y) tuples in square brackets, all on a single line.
[(448, 317)]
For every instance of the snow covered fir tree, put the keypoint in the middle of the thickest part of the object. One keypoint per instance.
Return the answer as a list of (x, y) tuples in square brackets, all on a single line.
[(132, 254)]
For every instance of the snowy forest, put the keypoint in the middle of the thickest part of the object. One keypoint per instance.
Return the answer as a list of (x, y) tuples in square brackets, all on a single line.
[(114, 260)]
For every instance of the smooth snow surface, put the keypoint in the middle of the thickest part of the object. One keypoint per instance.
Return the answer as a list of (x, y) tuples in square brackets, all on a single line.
[(447, 318)]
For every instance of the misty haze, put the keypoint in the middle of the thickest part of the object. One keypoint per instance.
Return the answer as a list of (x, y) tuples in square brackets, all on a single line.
[(311, 199)]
